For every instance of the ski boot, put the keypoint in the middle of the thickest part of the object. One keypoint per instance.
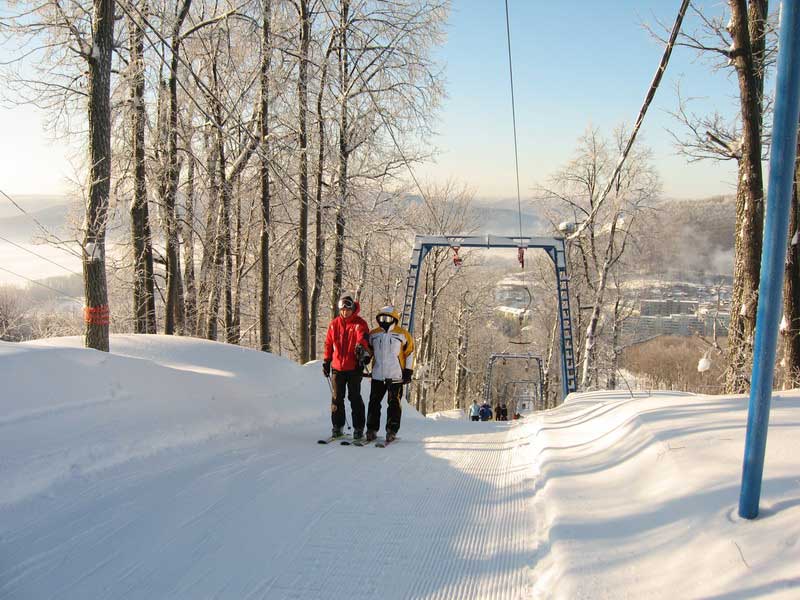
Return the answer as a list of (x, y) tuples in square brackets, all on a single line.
[(390, 436), (371, 435), (358, 434), (337, 432)]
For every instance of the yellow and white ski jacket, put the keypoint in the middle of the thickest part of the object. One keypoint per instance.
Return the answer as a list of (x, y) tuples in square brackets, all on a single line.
[(392, 351)]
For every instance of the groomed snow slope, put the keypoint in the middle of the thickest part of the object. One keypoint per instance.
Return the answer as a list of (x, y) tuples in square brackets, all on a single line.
[(179, 468)]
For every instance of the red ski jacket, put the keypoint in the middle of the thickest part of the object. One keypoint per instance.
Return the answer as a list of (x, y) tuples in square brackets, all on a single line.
[(343, 336)]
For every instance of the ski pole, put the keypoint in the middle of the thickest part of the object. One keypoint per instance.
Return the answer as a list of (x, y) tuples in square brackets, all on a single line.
[(330, 386)]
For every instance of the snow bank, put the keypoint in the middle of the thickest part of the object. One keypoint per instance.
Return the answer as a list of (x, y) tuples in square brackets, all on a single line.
[(637, 497), (448, 415), (68, 411)]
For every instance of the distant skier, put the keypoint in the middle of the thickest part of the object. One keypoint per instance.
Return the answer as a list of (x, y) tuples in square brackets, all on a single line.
[(475, 411), (346, 353), (503, 412), (393, 360), (497, 413), (485, 412)]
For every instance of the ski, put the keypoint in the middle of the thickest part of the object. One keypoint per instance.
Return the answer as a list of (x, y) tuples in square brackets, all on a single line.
[(332, 438), (362, 441), (382, 443)]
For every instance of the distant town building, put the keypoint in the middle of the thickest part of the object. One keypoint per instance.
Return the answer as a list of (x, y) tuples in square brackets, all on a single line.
[(511, 294), (665, 308)]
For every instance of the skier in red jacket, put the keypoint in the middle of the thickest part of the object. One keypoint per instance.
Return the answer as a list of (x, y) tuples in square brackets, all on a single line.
[(346, 354)]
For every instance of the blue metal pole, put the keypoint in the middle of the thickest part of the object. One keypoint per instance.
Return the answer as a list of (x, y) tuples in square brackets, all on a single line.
[(423, 252), (781, 174)]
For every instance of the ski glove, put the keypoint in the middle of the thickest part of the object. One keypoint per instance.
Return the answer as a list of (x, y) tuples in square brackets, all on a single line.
[(407, 373), (326, 368), (362, 356)]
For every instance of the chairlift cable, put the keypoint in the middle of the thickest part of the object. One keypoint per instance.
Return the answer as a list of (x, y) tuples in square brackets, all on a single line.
[(651, 92), (37, 255), (42, 227), (40, 284), (513, 118)]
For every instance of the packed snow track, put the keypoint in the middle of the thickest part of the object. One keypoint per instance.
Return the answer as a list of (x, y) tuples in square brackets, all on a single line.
[(440, 516)]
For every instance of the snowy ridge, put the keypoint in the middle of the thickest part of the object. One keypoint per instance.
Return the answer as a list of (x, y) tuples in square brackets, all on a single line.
[(105, 409), (631, 502)]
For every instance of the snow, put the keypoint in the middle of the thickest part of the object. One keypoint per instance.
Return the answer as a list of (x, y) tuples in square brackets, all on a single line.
[(181, 468)]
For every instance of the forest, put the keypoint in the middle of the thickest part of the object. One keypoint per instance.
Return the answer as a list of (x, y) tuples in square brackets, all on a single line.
[(247, 162)]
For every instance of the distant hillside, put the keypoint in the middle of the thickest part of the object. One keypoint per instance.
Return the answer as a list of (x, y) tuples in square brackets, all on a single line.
[(690, 235), (505, 221), (22, 227), (29, 202), (501, 217)]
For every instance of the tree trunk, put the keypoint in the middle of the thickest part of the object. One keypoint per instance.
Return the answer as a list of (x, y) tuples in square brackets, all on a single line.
[(96, 312), (236, 251), (143, 292), (589, 374), (747, 32), (364, 266), (221, 244), (302, 234), (546, 400), (319, 231), (207, 266), (190, 298), (790, 329), (344, 155), (460, 377), (174, 309), (265, 341), (611, 381)]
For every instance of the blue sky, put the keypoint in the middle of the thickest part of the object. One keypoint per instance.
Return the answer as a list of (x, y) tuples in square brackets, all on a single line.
[(576, 64)]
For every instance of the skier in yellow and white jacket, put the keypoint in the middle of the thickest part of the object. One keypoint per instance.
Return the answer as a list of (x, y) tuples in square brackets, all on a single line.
[(392, 350)]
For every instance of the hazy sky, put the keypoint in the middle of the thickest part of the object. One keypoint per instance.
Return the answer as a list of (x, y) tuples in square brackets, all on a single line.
[(576, 64)]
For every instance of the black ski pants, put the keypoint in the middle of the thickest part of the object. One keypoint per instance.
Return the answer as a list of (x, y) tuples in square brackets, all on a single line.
[(350, 380), (394, 411)]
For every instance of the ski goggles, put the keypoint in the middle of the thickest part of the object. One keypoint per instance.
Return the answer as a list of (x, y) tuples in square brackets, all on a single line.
[(346, 303), (386, 319)]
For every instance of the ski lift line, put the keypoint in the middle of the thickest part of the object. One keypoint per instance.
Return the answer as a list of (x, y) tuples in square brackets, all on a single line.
[(556, 250), (651, 92), (42, 227), (40, 284), (39, 256), (494, 241), (487, 390), (514, 122)]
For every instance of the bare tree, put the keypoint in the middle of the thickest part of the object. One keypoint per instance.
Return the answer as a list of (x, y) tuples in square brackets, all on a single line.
[(99, 119), (748, 26), (745, 43), (790, 328), (143, 290), (265, 341), (304, 26), (607, 230)]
